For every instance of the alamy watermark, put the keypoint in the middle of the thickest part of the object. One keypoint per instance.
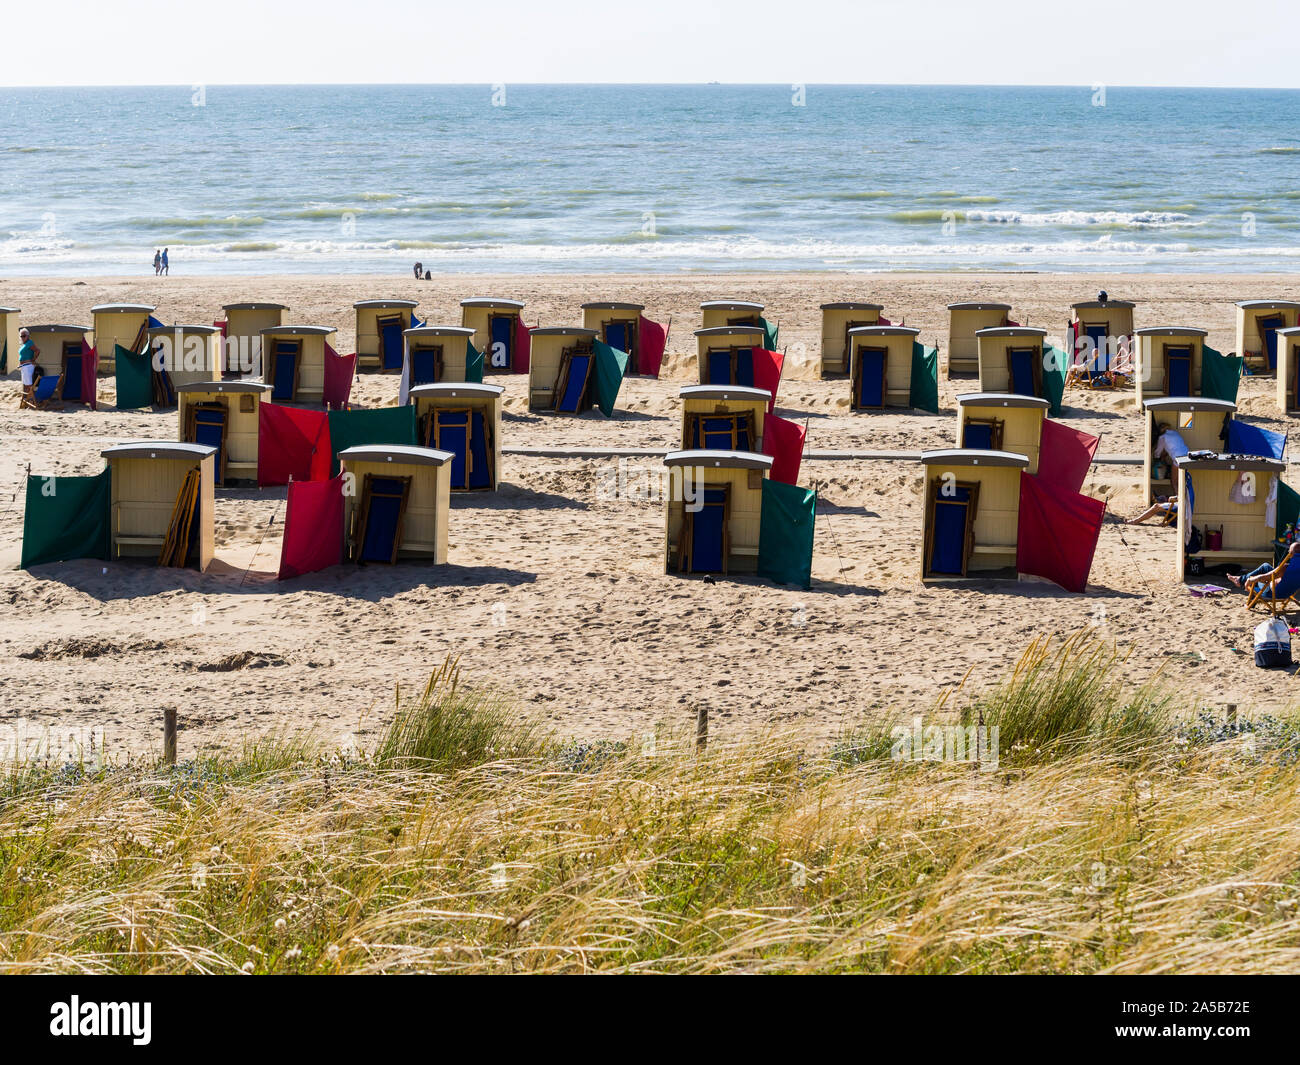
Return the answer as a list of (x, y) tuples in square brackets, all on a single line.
[(920, 742)]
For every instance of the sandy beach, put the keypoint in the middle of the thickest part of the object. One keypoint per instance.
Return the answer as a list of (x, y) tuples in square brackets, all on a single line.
[(559, 597)]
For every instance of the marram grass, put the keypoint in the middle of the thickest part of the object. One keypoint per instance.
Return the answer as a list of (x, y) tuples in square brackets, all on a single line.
[(466, 845)]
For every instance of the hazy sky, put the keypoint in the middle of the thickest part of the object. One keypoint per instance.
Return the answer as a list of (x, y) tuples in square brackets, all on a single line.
[(1005, 42)]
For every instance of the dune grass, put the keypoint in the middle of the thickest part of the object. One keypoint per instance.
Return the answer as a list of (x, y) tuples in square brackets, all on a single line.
[(1125, 843)]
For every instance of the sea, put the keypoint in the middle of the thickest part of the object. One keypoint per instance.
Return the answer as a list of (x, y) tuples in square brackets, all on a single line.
[(647, 178)]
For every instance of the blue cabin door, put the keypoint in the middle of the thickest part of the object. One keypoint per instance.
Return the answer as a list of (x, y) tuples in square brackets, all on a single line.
[(284, 362), (1098, 334), (1268, 328), (952, 517), (1178, 371), (1020, 366), (869, 383), (501, 342), (72, 370), (390, 342), (708, 533), (618, 335)]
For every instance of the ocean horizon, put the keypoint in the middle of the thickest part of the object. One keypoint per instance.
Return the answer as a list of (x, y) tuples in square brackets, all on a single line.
[(661, 178)]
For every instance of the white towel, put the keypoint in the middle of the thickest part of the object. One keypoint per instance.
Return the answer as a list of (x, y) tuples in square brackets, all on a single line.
[(1270, 504)]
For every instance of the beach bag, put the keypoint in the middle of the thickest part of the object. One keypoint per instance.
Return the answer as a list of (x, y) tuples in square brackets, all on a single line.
[(1194, 541), (1214, 538), (1272, 644)]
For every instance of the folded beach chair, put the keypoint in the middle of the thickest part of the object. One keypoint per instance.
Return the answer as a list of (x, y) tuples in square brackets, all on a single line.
[(1282, 594)]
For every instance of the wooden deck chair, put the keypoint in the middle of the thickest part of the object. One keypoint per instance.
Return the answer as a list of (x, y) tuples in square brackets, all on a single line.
[(721, 431), (379, 518), (950, 532), (706, 535), (1279, 596), (426, 364), (571, 383), (176, 545), (206, 423), (983, 433)]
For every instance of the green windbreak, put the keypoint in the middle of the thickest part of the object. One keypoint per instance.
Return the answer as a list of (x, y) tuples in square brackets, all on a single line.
[(473, 364), (1053, 378), (387, 425), (1288, 513), (134, 378), (925, 378), (785, 533), (1220, 375), (611, 365), (770, 334), (66, 517)]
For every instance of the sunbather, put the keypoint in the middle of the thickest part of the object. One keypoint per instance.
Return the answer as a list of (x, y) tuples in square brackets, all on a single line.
[(1266, 573), (1165, 507)]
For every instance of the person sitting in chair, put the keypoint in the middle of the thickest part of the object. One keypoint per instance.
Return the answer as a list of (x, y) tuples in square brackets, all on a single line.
[(1165, 507), (1265, 573)]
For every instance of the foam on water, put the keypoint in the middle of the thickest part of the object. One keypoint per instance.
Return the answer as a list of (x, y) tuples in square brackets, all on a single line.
[(647, 178)]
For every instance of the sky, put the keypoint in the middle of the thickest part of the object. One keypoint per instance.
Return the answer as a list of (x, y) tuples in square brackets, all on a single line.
[(999, 42)]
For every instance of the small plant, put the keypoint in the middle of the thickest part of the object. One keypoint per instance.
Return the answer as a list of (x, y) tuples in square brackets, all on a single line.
[(1068, 694), (448, 726)]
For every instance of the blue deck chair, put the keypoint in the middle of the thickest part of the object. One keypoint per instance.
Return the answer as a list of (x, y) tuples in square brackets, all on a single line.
[(424, 365), (210, 429), (45, 389), (570, 399), (977, 435), (480, 466), (450, 432), (383, 519)]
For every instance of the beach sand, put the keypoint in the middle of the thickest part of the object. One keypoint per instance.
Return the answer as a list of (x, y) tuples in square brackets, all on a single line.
[(559, 597)]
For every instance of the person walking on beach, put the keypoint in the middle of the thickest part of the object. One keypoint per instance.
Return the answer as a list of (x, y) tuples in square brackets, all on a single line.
[(165, 267), (27, 353), (157, 262)]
